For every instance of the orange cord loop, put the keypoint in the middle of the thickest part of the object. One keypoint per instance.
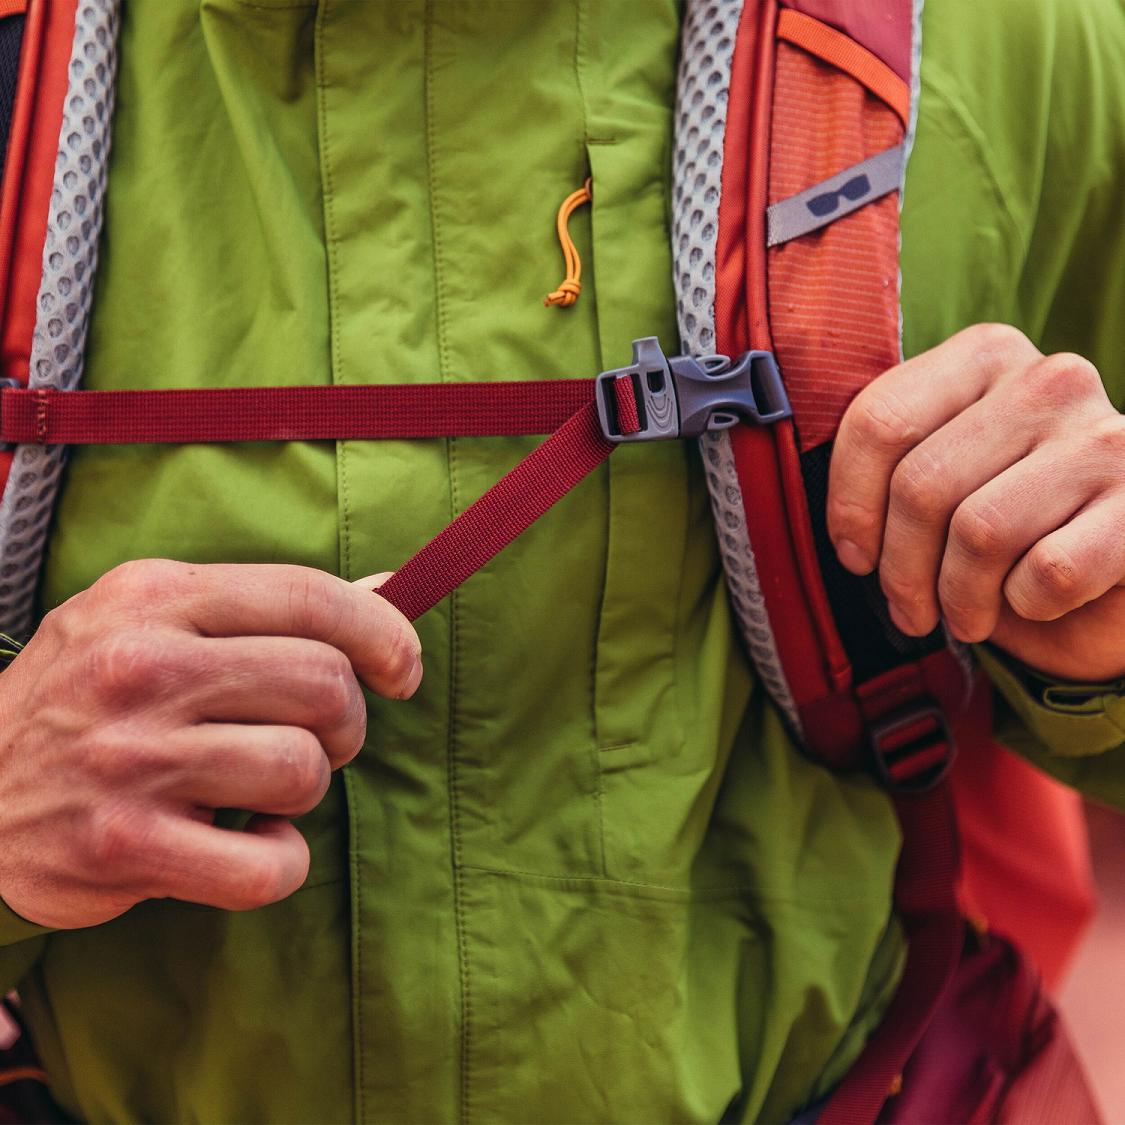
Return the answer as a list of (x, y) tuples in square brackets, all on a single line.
[(569, 289), (22, 1074)]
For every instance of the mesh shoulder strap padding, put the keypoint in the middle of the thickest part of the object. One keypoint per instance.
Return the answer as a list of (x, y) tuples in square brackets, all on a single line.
[(710, 31), (58, 214)]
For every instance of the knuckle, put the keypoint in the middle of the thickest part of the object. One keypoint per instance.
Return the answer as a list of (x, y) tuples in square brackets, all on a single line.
[(884, 420), (60, 627), (901, 589), (123, 667), (262, 882), (1062, 380), (303, 769), (337, 693), (997, 346), (979, 531), (958, 608), (1107, 441), (143, 582), (1053, 582), (856, 519), (920, 486), (314, 605), (117, 838), (401, 651)]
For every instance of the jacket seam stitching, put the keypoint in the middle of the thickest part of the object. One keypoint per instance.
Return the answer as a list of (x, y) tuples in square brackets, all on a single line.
[(452, 777), (331, 241)]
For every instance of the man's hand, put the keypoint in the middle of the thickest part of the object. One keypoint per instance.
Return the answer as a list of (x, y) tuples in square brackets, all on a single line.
[(987, 484), (167, 691)]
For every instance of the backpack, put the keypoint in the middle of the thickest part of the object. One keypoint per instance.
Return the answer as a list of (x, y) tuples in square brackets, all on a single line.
[(794, 126)]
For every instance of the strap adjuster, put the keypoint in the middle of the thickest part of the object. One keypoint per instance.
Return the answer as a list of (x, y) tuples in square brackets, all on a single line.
[(658, 396), (913, 749)]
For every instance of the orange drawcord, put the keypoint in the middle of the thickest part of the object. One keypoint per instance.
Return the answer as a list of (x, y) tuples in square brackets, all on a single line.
[(567, 292), (22, 1074)]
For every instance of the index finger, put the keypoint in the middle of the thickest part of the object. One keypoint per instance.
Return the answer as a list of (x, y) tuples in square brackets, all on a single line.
[(275, 600), (896, 412)]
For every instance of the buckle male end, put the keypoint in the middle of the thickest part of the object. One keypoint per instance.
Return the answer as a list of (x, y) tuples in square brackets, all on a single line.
[(658, 396)]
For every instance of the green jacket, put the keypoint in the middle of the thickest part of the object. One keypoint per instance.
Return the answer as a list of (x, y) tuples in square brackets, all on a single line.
[(582, 875)]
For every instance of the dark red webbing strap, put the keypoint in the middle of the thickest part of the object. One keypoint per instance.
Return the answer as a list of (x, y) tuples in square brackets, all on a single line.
[(925, 895), (508, 508), (222, 414), (432, 410)]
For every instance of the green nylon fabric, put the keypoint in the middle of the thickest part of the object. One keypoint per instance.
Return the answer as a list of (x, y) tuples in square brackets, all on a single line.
[(582, 876)]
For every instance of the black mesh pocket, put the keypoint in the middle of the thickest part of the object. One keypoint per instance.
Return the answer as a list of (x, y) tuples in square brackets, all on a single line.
[(873, 644), (11, 40)]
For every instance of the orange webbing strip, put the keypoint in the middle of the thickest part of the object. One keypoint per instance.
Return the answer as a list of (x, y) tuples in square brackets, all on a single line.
[(846, 54), (568, 290), (12, 8)]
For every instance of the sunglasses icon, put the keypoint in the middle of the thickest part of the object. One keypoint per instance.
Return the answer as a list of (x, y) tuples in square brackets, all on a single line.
[(853, 191)]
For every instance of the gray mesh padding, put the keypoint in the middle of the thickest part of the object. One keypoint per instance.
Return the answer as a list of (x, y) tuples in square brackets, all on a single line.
[(63, 304), (710, 27)]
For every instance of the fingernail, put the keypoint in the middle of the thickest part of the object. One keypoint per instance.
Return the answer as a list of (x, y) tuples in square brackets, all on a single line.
[(412, 681), (902, 623), (853, 558), (374, 581), (959, 634)]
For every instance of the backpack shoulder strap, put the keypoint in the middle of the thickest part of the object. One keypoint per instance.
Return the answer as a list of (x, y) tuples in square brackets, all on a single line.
[(794, 126), (50, 220), (793, 130)]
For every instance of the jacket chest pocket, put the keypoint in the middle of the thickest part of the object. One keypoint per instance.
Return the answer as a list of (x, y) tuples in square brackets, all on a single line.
[(656, 760), (648, 488)]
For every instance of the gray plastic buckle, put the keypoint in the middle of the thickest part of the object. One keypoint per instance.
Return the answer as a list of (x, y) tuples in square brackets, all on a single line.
[(685, 397)]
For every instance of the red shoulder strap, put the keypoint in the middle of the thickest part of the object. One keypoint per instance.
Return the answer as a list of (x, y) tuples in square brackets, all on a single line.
[(807, 261)]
